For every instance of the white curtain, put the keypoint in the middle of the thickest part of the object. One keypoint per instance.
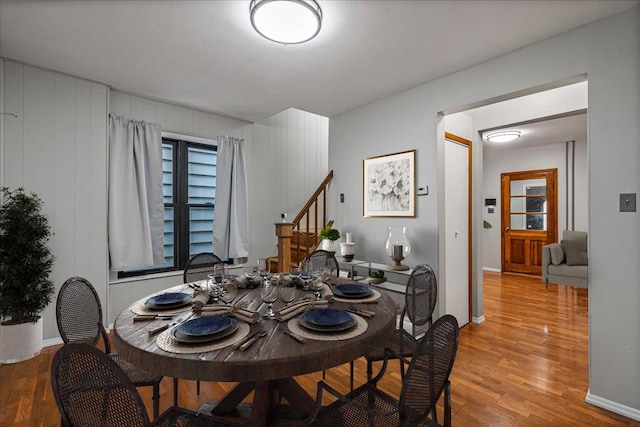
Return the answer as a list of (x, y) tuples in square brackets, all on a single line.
[(230, 225), (136, 206)]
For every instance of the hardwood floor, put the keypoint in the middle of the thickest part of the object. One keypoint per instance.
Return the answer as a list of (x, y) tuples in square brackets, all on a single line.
[(526, 365)]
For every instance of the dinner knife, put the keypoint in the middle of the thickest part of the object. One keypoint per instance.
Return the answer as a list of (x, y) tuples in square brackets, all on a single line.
[(363, 313), (140, 317), (244, 340), (182, 319), (249, 343)]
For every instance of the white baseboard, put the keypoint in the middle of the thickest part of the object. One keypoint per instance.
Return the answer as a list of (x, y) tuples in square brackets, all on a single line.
[(478, 320), (612, 406), (495, 270), (52, 341)]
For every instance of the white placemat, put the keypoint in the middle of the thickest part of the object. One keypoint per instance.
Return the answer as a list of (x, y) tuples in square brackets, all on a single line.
[(165, 342), (375, 296), (359, 329), (139, 308)]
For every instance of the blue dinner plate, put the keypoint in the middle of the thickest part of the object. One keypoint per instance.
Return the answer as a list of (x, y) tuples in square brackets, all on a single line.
[(302, 321), (327, 316), (351, 291), (168, 300), (180, 337), (202, 326)]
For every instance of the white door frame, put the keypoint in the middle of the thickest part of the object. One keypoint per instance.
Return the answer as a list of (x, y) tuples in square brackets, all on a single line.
[(454, 139)]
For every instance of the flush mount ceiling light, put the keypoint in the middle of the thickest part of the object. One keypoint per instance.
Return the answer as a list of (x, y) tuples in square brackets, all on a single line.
[(504, 136), (286, 21)]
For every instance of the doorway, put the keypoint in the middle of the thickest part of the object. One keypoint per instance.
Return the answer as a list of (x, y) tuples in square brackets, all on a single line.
[(529, 218)]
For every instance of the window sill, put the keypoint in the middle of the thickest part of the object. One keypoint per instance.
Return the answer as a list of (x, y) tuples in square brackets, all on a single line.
[(142, 278)]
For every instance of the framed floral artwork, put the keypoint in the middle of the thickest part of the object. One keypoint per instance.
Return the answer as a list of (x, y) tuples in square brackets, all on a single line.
[(389, 185)]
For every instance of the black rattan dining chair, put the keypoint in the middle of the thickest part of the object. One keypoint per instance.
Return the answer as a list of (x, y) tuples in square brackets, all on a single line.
[(200, 266), (197, 268), (421, 296), (426, 378), (319, 259), (91, 389), (322, 258), (79, 318)]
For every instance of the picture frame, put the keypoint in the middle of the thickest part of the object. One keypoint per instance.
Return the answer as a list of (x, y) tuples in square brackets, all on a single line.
[(389, 185)]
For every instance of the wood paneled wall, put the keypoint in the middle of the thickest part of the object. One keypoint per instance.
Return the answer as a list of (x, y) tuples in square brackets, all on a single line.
[(57, 147), (287, 161), (177, 119)]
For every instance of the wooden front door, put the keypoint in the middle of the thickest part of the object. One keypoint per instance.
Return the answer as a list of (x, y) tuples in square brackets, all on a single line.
[(529, 218)]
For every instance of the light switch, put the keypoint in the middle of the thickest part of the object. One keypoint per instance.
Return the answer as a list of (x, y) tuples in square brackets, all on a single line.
[(628, 202)]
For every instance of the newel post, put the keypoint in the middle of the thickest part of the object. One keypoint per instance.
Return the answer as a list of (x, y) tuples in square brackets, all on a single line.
[(284, 231)]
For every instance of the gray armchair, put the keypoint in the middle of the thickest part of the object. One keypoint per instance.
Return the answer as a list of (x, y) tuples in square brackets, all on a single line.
[(565, 263)]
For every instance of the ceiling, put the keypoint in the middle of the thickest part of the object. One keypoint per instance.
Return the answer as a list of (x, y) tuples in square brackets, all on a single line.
[(543, 132), (205, 54)]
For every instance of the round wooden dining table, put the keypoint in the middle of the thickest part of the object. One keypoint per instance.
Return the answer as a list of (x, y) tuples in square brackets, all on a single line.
[(267, 367)]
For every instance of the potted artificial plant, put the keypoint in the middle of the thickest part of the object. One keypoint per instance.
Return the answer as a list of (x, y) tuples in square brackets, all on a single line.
[(329, 236), (25, 264)]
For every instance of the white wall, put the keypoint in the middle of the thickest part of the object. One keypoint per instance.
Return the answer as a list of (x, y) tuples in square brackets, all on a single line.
[(608, 52), (57, 147), (572, 97), (286, 164), (581, 188), (542, 157)]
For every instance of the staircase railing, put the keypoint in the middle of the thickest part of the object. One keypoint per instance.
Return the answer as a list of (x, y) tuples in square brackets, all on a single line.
[(299, 238)]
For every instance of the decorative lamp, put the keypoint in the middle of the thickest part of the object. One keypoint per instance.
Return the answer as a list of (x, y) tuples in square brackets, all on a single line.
[(397, 247), (286, 21), (347, 249)]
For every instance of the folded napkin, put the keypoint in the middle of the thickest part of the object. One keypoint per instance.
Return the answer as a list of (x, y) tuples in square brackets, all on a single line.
[(299, 307), (199, 300), (246, 283), (326, 293), (244, 314)]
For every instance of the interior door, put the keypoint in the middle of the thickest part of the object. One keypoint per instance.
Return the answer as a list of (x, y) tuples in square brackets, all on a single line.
[(529, 218), (457, 228)]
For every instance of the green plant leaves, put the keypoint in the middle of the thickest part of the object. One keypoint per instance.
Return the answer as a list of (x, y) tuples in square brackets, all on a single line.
[(25, 259)]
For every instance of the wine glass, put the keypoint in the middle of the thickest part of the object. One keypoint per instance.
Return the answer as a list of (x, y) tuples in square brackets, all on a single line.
[(229, 291), (250, 272), (305, 274), (287, 291), (315, 284), (217, 279), (269, 294), (213, 289), (220, 273), (263, 268)]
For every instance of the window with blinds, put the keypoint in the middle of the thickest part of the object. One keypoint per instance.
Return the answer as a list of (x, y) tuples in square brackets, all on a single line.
[(189, 189)]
